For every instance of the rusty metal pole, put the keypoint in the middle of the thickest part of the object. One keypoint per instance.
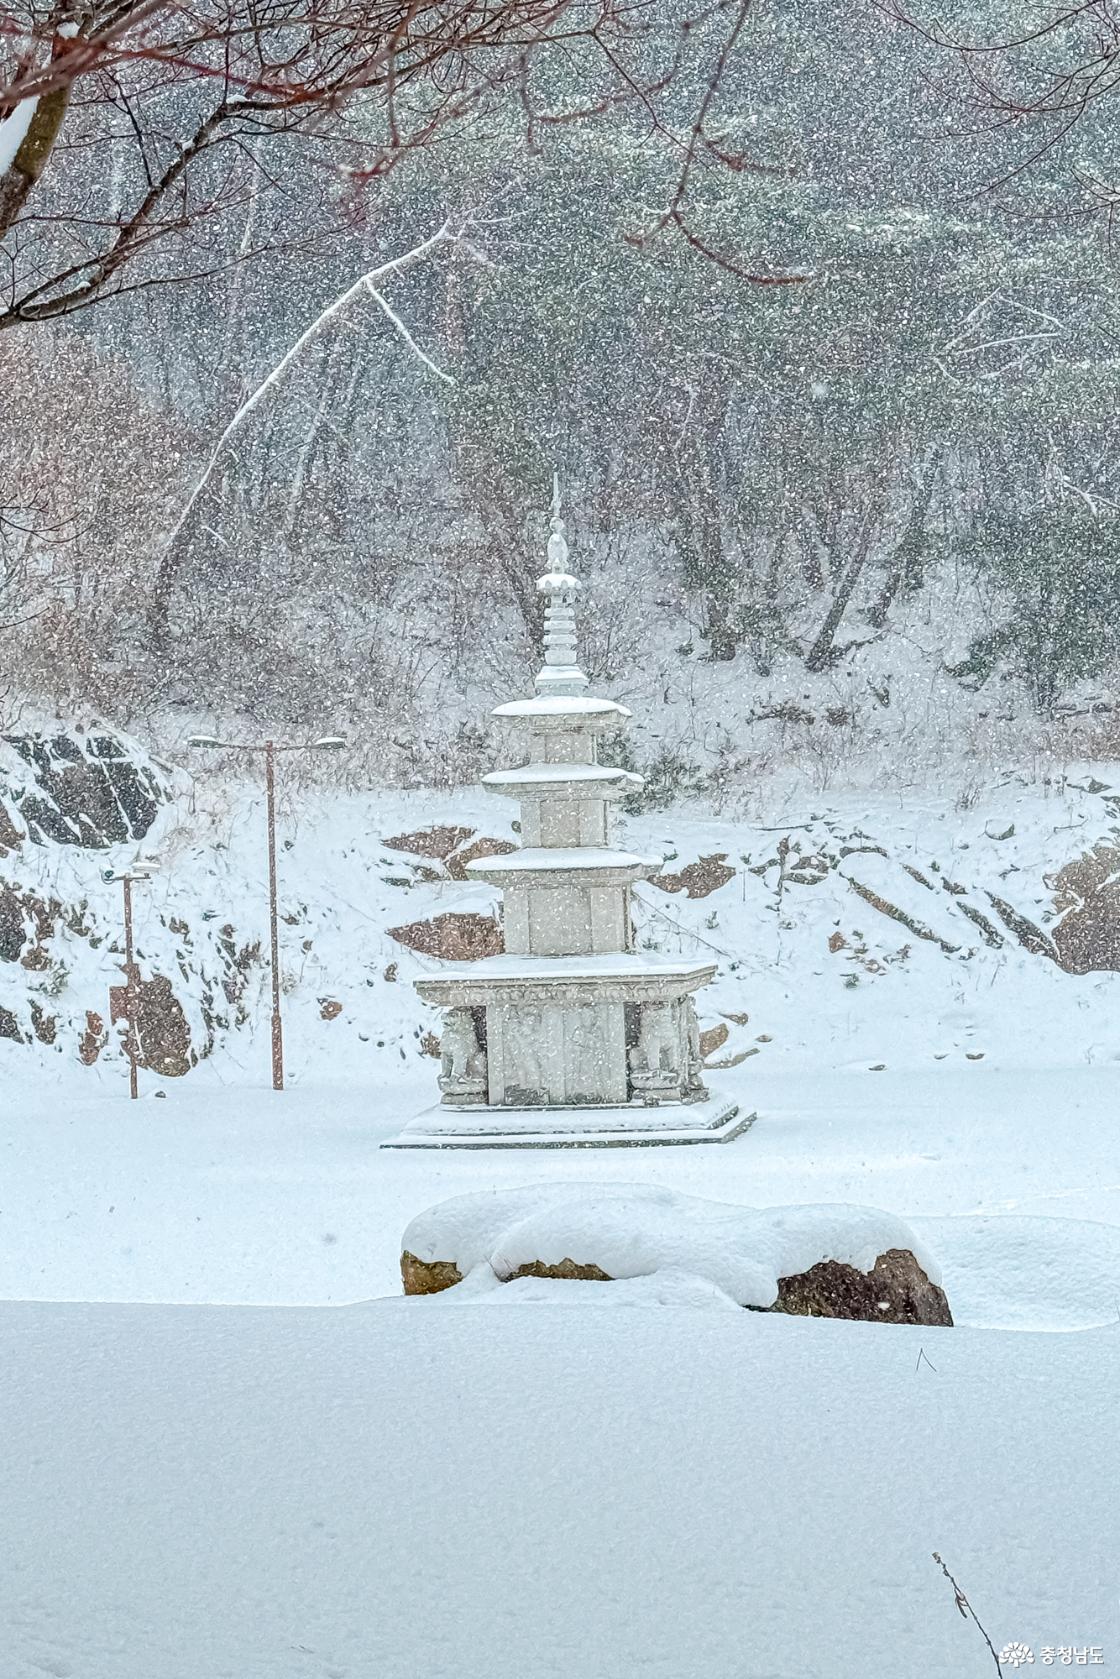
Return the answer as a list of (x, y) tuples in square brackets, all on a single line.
[(273, 916), (130, 981)]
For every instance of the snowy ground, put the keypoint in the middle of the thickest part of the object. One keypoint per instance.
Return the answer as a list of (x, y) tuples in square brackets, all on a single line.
[(246, 1196), (410, 1489), (231, 1457), (388, 1488)]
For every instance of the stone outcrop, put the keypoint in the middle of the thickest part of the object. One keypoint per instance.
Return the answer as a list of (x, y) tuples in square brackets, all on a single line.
[(454, 847), (433, 1276), (93, 1039), (10, 837), (895, 1290), (82, 791), (458, 936), (834, 1260), (903, 917), (28, 922), (565, 1270), (1087, 893), (162, 1029), (436, 842), (483, 846), (428, 1276), (10, 1027), (714, 1038), (697, 880)]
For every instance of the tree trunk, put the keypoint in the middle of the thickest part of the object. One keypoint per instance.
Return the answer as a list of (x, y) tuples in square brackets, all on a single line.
[(906, 570), (819, 655), (22, 175)]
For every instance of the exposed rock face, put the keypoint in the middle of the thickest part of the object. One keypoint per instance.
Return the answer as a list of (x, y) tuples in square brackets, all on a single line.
[(13, 929), (483, 846), (714, 1038), (431, 1276), (568, 1270), (29, 921), (9, 1027), (10, 837), (1087, 938), (86, 792), (422, 1276), (453, 847), (162, 1029), (895, 1290), (697, 880), (458, 936), (438, 842), (910, 922), (93, 1039), (45, 1025)]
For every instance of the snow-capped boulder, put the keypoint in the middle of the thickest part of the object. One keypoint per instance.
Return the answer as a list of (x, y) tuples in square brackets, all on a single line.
[(818, 1261)]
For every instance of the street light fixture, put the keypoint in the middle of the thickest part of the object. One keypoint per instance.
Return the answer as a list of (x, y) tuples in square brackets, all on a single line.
[(270, 748), (124, 999)]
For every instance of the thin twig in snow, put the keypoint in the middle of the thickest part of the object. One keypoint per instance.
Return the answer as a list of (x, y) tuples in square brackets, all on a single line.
[(965, 1608)]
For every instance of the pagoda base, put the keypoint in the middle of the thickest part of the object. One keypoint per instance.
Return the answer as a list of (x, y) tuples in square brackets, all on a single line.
[(711, 1121)]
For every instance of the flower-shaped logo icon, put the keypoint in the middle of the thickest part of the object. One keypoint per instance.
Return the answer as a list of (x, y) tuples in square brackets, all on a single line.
[(1016, 1655)]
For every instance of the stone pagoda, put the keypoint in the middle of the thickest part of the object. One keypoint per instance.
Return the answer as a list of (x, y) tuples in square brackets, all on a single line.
[(572, 1037)]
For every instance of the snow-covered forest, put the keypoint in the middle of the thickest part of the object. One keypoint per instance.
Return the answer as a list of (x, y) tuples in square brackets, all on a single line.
[(857, 524), (695, 424)]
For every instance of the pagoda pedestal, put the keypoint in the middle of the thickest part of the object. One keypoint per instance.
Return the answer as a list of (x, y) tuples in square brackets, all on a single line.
[(571, 1038)]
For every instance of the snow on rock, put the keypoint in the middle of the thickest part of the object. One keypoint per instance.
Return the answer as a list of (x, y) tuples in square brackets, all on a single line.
[(1087, 896), (232, 1193), (903, 894), (75, 804), (438, 841), (636, 1230), (667, 1287), (72, 787)]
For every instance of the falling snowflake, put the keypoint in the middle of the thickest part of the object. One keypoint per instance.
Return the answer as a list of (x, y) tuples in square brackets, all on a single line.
[(1016, 1655)]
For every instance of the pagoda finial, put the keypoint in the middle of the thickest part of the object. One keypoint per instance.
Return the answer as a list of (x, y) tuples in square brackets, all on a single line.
[(557, 541), (560, 673)]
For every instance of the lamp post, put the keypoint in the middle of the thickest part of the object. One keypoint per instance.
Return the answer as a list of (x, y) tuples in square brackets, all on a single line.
[(270, 748), (124, 999)]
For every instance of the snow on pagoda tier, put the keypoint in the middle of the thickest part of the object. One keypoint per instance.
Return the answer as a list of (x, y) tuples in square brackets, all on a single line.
[(571, 1019)]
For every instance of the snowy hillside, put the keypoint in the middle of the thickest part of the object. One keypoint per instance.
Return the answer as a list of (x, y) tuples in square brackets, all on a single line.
[(852, 931)]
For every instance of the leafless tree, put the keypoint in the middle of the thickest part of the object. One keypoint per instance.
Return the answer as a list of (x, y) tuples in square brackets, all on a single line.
[(128, 128), (1044, 74)]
